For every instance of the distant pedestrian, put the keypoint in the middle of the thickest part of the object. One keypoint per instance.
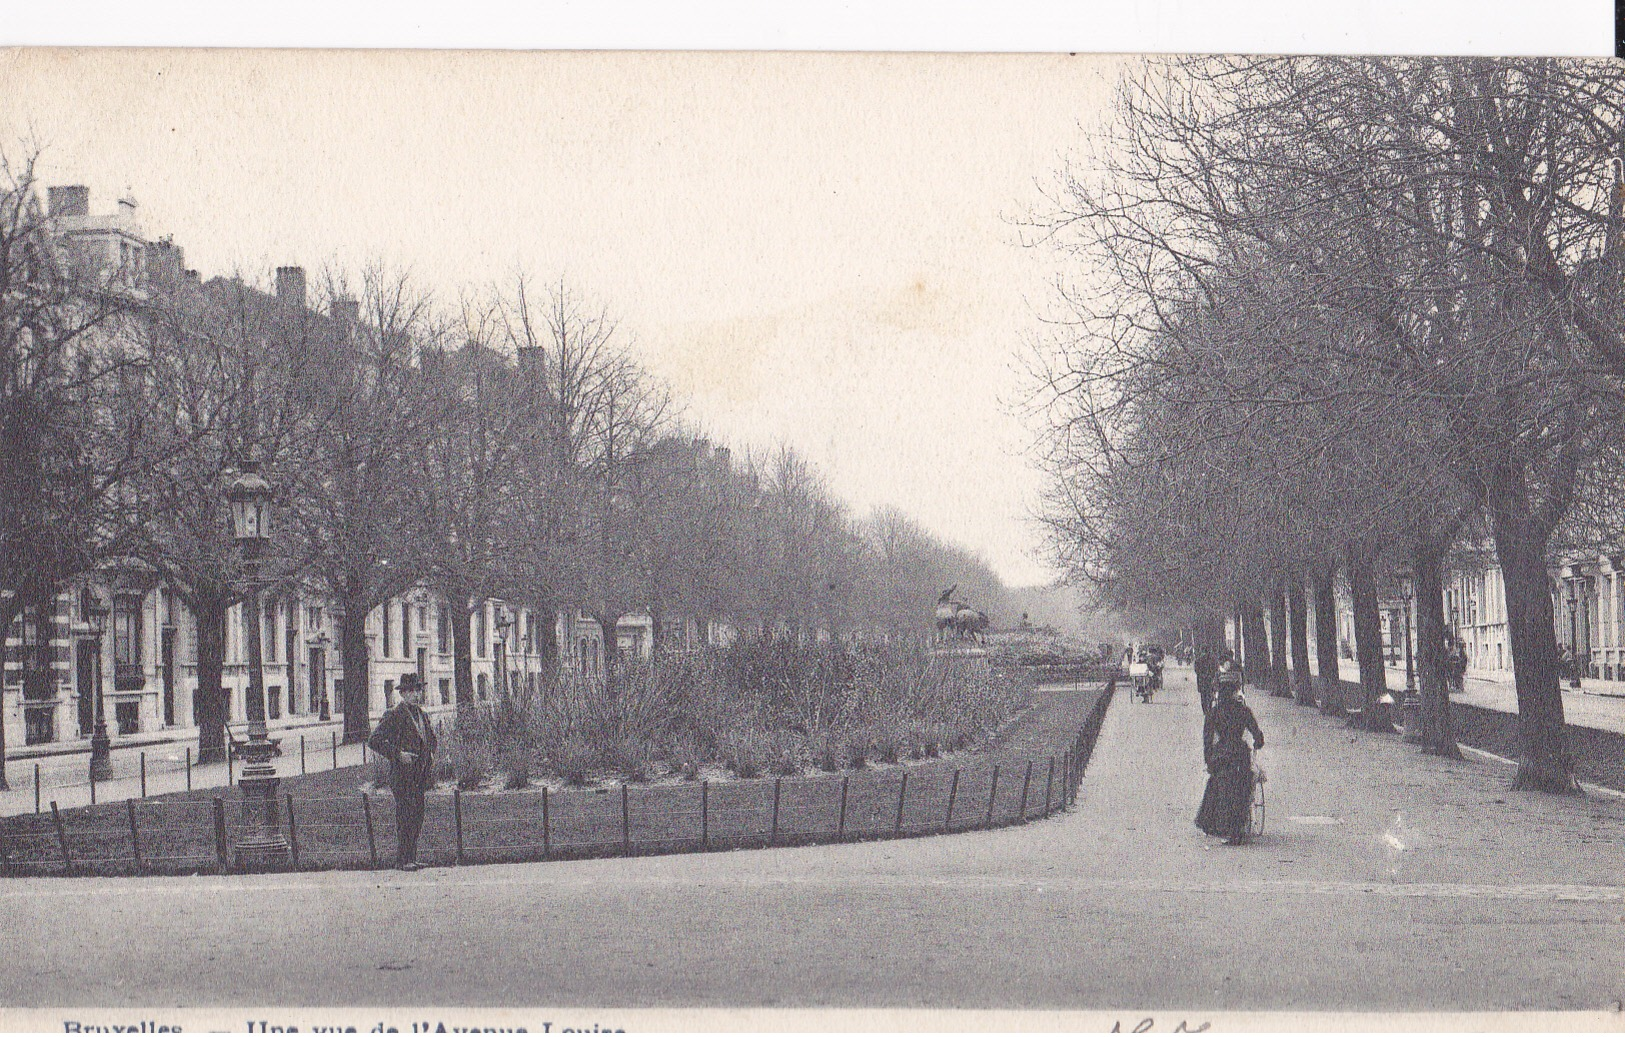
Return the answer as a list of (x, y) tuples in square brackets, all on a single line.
[(1207, 675), (1227, 802), (406, 738), (1458, 668)]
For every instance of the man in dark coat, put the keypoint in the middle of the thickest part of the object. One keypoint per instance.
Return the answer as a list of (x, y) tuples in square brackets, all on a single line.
[(1207, 673), (406, 738)]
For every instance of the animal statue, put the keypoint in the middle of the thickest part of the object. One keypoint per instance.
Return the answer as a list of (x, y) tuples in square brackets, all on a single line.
[(969, 622), (947, 609)]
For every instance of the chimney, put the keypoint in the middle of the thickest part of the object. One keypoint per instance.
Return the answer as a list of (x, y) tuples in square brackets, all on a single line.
[(345, 311), (290, 285), (72, 200), (530, 358), (127, 207), (193, 276)]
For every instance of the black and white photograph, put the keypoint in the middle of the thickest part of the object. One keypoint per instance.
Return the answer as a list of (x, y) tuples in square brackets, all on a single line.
[(570, 540)]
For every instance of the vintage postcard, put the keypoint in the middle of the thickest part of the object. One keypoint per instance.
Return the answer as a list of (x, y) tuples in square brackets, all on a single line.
[(592, 542)]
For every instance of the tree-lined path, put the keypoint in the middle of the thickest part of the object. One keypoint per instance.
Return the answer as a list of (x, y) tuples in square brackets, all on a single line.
[(1385, 880)]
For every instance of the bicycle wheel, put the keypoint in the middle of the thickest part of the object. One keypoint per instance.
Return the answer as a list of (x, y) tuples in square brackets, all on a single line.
[(1255, 823)]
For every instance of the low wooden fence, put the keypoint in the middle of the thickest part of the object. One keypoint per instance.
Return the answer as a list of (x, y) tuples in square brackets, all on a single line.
[(358, 831)]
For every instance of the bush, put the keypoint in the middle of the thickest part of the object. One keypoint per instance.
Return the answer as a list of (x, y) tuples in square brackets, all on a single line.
[(516, 764), (761, 704)]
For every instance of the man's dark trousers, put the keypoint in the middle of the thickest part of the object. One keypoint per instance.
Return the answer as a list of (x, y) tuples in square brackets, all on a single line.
[(408, 818)]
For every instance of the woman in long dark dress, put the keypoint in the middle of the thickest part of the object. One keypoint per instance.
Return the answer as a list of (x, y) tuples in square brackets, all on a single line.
[(1228, 802)]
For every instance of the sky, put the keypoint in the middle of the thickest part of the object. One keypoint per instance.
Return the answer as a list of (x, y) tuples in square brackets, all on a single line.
[(818, 250)]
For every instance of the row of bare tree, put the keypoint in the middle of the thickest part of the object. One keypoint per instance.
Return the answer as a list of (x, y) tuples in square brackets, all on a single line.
[(505, 446), (1343, 319)]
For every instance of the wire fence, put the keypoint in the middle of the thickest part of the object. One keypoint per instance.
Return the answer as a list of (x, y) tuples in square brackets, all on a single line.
[(180, 836)]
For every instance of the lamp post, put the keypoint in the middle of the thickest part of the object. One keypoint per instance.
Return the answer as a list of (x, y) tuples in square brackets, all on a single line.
[(264, 848), (323, 712), (101, 746), (504, 625), (1412, 705), (1574, 638)]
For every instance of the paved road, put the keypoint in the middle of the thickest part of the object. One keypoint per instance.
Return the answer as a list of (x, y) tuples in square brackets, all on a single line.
[(1386, 880)]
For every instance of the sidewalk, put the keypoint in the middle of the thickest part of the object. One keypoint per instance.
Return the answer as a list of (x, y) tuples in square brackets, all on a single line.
[(63, 775), (1599, 704)]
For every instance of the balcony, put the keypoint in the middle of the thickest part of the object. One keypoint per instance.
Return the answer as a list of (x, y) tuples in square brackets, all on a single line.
[(128, 676)]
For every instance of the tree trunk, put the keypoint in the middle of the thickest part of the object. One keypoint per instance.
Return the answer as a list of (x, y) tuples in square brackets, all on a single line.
[(607, 627), (1544, 762), (1280, 684), (1256, 646), (1303, 682), (212, 701), (462, 649), (1438, 733), (548, 614), (357, 697), (1326, 648), (657, 639), (1374, 714)]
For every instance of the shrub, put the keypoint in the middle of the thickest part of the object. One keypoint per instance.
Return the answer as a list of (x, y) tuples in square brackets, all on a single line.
[(573, 759), (516, 764)]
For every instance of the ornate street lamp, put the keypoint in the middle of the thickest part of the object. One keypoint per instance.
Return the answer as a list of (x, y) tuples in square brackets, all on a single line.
[(504, 626), (321, 643), (101, 746), (264, 847), (1412, 705), (1574, 636)]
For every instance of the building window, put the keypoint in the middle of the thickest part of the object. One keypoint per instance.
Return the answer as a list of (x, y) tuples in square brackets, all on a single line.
[(387, 628), (442, 625), (480, 635), (313, 618), (128, 717), (406, 631), (127, 675)]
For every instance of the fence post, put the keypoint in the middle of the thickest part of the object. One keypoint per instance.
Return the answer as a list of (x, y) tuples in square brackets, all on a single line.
[(293, 835), (953, 791), (302, 768), (5, 847), (1049, 785), (61, 838), (36, 788), (189, 768), (220, 851), (902, 791), (93, 790), (231, 759), (1021, 813), (135, 833), (626, 822), (334, 736), (773, 834), (840, 826), (372, 840), (992, 793), (143, 775), (457, 820), (705, 815), (547, 836)]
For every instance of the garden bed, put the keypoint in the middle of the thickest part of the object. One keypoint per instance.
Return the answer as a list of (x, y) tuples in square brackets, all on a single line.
[(334, 820)]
